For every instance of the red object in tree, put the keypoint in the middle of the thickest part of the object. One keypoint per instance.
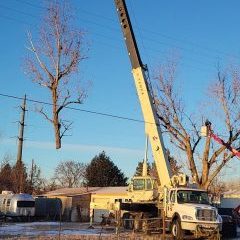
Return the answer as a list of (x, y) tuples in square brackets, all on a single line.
[(219, 140)]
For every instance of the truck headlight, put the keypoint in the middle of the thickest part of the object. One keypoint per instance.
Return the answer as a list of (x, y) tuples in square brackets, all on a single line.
[(186, 217)]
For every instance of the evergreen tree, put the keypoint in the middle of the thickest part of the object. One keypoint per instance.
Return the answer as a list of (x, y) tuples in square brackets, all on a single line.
[(102, 172), (176, 169), (139, 169), (19, 178), (5, 178)]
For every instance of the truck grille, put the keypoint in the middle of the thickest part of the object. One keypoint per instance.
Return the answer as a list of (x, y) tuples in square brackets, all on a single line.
[(206, 215)]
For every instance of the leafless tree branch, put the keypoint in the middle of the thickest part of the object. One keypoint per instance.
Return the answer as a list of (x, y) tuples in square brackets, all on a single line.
[(54, 61), (183, 130)]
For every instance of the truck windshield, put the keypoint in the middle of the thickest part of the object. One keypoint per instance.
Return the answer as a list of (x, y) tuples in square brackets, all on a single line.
[(189, 196), (138, 184)]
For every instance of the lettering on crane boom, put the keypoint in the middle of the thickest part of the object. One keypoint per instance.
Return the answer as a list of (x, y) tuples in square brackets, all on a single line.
[(140, 85)]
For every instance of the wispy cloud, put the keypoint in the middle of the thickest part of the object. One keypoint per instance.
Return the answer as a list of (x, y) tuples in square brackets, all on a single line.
[(75, 147)]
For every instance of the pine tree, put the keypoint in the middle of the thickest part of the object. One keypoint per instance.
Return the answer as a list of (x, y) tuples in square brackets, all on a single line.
[(102, 172), (19, 178), (5, 178), (139, 169)]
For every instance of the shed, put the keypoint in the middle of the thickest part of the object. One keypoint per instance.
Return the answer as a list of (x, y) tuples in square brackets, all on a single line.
[(75, 202)]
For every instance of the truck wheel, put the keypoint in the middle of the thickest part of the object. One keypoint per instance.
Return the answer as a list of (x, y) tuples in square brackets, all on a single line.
[(128, 221), (177, 232), (131, 222)]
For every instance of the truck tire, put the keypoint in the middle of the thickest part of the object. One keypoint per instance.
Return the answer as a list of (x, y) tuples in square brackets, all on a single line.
[(176, 230), (128, 221)]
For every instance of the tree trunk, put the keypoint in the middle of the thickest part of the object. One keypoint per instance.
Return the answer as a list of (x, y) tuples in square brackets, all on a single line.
[(205, 163), (57, 126), (192, 165), (56, 123)]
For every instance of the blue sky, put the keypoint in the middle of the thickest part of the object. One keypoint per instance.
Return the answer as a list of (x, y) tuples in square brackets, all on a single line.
[(203, 33)]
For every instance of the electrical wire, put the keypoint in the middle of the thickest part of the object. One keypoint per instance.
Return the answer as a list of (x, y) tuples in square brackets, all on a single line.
[(77, 109), (31, 4), (18, 11), (16, 20), (114, 29), (201, 69), (196, 45)]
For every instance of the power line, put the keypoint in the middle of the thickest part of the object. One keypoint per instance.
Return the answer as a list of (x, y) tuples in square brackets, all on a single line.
[(192, 59), (77, 109), (18, 11), (141, 38), (16, 20), (115, 47), (206, 49), (104, 43), (31, 4)]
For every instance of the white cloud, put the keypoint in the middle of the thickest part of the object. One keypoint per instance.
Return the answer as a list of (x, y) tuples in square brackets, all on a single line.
[(76, 147)]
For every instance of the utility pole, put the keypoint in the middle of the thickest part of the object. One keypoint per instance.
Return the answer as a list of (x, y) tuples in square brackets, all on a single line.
[(21, 131), (19, 163)]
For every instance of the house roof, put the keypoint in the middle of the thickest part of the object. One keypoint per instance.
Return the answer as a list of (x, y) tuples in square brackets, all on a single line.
[(111, 190), (86, 190), (230, 193)]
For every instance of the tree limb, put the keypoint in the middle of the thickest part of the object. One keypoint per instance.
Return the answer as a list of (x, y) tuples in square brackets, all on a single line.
[(44, 114), (43, 66)]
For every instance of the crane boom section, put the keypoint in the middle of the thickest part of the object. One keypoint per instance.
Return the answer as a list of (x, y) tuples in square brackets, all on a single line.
[(146, 99)]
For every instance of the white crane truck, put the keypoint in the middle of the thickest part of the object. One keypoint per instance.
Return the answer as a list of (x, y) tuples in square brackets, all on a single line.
[(183, 208)]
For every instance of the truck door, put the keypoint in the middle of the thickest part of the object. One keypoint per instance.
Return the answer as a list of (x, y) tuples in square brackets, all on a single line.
[(171, 203)]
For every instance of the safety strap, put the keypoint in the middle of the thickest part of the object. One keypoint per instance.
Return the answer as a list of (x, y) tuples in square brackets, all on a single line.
[(219, 140)]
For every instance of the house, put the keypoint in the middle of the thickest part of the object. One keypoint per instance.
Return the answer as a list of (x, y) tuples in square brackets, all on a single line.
[(75, 202), (229, 201)]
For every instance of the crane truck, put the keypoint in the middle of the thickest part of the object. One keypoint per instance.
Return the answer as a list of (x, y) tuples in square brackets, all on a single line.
[(182, 207)]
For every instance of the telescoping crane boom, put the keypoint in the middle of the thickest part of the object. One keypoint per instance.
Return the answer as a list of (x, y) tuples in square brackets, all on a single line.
[(146, 98)]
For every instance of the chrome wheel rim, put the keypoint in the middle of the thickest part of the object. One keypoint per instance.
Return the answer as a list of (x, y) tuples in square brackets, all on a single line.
[(174, 230)]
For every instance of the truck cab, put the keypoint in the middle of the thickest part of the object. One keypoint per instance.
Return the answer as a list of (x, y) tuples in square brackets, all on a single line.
[(190, 209), (143, 189)]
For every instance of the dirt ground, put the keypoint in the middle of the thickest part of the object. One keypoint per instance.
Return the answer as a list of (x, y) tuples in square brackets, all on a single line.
[(70, 231), (66, 231)]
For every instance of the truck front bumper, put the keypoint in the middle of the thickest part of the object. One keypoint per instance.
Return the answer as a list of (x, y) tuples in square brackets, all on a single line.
[(202, 229)]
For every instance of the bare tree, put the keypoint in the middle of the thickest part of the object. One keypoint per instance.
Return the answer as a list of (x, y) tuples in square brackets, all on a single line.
[(36, 182), (204, 160), (53, 63), (70, 173), (7, 159), (233, 184), (49, 185)]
